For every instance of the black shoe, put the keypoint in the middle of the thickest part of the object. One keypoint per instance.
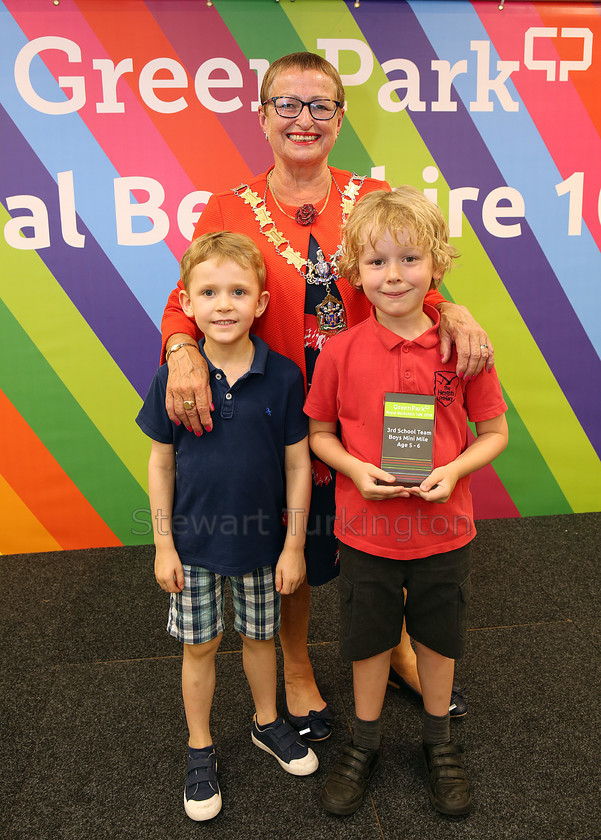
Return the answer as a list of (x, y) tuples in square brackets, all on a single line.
[(316, 726), (345, 787), (458, 705), (449, 787)]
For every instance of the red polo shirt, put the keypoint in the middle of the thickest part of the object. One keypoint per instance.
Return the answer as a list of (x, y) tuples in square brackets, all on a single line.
[(354, 370)]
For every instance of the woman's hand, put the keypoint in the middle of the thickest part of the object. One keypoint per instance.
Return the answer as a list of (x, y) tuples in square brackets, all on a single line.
[(474, 350), (188, 385), (290, 570)]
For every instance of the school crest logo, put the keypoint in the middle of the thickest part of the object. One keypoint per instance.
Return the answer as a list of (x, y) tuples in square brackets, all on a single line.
[(445, 386)]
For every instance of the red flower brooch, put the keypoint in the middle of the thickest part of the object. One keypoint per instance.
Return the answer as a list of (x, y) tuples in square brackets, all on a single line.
[(306, 215)]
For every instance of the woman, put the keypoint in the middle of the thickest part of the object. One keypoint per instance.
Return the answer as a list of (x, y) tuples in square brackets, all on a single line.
[(294, 213)]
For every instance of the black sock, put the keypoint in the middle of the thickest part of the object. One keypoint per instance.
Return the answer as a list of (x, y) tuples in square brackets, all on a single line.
[(366, 734), (436, 730)]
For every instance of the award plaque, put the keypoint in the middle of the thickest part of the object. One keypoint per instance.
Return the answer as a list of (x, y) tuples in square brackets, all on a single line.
[(408, 437)]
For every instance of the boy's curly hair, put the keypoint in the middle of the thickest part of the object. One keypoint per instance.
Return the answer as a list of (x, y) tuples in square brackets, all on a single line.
[(405, 209)]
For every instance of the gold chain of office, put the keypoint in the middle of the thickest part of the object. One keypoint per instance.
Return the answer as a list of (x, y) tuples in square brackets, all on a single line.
[(322, 271)]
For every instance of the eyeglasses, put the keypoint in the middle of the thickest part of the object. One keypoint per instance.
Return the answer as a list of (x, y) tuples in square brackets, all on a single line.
[(290, 107)]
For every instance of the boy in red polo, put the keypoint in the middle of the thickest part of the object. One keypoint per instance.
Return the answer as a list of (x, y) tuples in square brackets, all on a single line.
[(404, 550)]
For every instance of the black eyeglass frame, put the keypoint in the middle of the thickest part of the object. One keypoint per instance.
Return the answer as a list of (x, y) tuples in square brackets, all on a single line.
[(272, 99)]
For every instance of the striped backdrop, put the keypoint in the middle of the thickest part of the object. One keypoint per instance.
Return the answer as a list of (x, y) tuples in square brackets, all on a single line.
[(103, 171)]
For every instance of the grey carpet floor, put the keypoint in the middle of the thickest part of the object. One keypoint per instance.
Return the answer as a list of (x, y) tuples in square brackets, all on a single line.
[(92, 738)]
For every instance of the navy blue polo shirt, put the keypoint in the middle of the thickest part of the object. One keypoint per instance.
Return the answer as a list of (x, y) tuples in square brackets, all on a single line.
[(229, 485)]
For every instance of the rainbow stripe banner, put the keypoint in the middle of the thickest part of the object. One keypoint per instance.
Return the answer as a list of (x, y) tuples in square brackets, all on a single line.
[(119, 120)]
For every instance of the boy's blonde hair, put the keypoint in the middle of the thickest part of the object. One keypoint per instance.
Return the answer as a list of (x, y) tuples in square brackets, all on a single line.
[(223, 245), (405, 209)]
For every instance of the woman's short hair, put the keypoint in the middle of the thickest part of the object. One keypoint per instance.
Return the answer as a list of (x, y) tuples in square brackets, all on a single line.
[(223, 245), (405, 209), (301, 61)]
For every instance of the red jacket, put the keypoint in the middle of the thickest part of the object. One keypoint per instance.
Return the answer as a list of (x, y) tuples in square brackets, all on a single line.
[(282, 324)]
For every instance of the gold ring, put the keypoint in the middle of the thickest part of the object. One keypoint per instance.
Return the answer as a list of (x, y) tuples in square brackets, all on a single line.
[(189, 405), (482, 347)]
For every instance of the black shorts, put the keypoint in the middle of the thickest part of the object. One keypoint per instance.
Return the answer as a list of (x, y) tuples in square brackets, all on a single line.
[(372, 602)]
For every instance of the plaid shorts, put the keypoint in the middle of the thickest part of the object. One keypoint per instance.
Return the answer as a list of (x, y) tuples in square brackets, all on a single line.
[(196, 613)]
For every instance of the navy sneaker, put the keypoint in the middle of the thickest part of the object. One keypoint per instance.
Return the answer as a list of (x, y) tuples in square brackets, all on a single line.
[(458, 707), (281, 741), (202, 797), (316, 726)]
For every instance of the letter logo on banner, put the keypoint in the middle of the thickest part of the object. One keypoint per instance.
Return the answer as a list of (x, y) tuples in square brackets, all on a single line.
[(203, 84), (110, 75), (549, 65), (186, 214), (38, 221), (23, 76), (148, 84), (484, 84), (66, 200), (411, 84), (150, 209), (333, 46), (492, 210), (260, 65), (446, 76)]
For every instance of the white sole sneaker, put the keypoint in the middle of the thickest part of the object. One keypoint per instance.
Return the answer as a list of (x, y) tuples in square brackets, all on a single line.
[(204, 809), (298, 766)]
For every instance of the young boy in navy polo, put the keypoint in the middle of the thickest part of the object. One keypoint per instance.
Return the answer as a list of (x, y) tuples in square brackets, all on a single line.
[(400, 542), (217, 503)]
